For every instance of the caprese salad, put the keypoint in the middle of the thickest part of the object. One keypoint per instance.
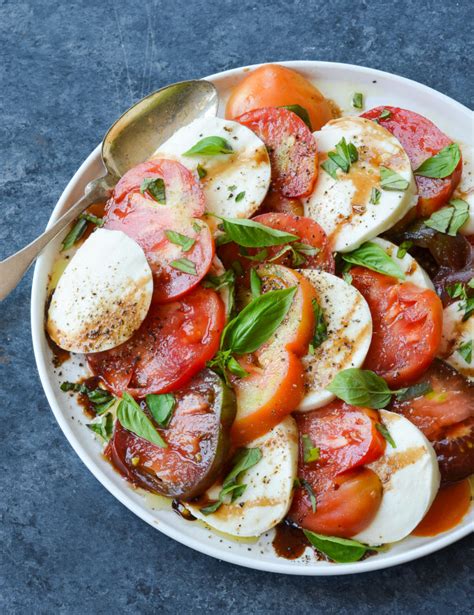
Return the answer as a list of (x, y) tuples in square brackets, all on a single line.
[(276, 311)]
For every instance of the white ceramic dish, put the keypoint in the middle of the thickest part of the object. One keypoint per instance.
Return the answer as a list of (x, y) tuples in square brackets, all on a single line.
[(337, 81)]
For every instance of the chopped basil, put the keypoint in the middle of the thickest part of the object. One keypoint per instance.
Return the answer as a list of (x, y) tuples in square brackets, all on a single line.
[(155, 186), (219, 281), (374, 257), (345, 155), (180, 240), (330, 167), (260, 256), (382, 429), (309, 490), (449, 219), (358, 100), (161, 407), (403, 248), (301, 112), (196, 227), (339, 550), (385, 114), (240, 196), (184, 265), (232, 188), (104, 427), (320, 325), (375, 196), (251, 234), (346, 276), (310, 452), (465, 350), (201, 171), (210, 146), (101, 399), (391, 180), (459, 291), (255, 284), (235, 368), (441, 164), (132, 418)]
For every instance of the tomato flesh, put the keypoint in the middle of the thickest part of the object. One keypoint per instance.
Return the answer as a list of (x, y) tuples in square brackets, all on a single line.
[(291, 147), (407, 326), (421, 139), (173, 343), (275, 202)]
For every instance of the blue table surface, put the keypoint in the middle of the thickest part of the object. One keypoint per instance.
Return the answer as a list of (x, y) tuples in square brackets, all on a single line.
[(68, 69)]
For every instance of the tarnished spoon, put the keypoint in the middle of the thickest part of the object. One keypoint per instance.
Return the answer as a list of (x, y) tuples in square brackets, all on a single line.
[(133, 138)]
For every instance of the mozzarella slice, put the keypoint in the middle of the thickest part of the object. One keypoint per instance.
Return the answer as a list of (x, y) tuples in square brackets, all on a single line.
[(455, 333), (465, 189), (349, 327), (342, 206), (103, 295), (414, 273), (410, 478), (235, 184), (268, 494)]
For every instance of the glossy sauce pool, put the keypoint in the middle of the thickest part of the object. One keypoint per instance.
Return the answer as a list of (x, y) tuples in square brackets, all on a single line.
[(447, 510)]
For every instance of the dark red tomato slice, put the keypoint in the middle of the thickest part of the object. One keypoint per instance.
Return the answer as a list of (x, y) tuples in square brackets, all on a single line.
[(275, 202), (446, 417), (421, 139), (175, 271), (291, 147), (197, 439), (344, 506), (173, 343), (407, 324), (345, 435)]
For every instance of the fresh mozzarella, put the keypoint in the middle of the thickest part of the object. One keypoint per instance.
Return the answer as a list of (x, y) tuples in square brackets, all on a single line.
[(349, 328), (235, 184), (268, 494), (103, 295), (414, 273), (410, 479), (343, 206), (465, 189), (455, 333)]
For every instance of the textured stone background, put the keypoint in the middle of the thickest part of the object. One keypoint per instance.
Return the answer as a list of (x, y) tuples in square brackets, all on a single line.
[(67, 70)]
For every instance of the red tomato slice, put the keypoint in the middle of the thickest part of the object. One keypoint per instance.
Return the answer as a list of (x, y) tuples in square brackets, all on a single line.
[(344, 506), (275, 202), (407, 325), (173, 343), (446, 417), (421, 139), (142, 218), (291, 146)]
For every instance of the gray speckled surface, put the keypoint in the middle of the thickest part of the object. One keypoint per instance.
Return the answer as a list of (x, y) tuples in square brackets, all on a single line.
[(67, 69)]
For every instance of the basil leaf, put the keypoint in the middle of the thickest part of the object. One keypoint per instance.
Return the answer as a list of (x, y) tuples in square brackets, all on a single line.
[(403, 247), (320, 326), (374, 257), (251, 234), (201, 171), (257, 322), (219, 281), (240, 196), (210, 146), (375, 196), (211, 508), (340, 550), (309, 490), (449, 219), (161, 407), (260, 256), (381, 428), (74, 234), (184, 265), (310, 452), (132, 418), (255, 284), (330, 167), (232, 188), (361, 387), (471, 283), (417, 390), (301, 112), (156, 187), (104, 427), (468, 307), (386, 113), (456, 290), (101, 399), (391, 180), (235, 368), (358, 100), (465, 350), (180, 240), (305, 248), (441, 164)]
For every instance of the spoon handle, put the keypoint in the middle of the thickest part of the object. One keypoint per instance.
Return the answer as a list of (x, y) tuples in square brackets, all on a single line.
[(13, 268)]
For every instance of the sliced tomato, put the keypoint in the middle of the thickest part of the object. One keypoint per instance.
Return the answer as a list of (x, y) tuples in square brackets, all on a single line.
[(421, 139), (147, 222), (173, 343), (197, 439), (275, 202), (291, 146), (407, 324), (272, 85), (346, 436), (446, 417), (345, 505)]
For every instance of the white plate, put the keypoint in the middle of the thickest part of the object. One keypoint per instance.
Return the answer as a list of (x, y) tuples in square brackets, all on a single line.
[(337, 81)]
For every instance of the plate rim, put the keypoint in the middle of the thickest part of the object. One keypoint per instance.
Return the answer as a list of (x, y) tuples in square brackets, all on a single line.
[(93, 465)]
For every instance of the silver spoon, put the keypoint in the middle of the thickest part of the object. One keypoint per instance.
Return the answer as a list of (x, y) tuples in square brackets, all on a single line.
[(133, 138)]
